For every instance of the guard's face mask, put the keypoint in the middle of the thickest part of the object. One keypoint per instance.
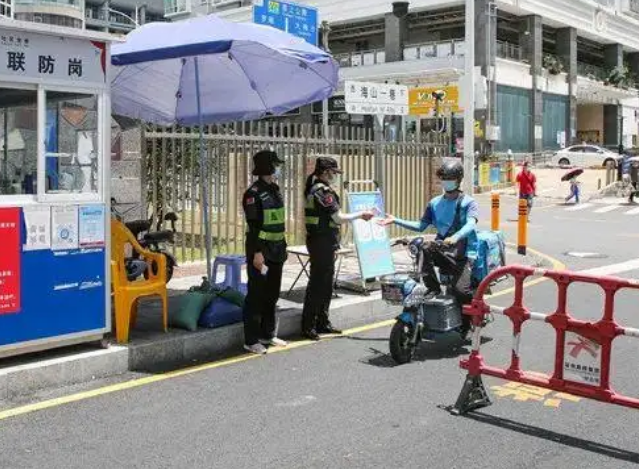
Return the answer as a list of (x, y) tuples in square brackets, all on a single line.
[(450, 186), (334, 178), (278, 172)]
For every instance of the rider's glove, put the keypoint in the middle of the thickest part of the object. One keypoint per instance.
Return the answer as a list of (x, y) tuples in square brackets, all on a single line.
[(450, 240)]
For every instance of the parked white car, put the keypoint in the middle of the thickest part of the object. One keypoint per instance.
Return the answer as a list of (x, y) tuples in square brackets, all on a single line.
[(585, 156)]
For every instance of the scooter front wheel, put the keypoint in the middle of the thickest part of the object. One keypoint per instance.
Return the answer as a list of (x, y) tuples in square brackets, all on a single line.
[(401, 348)]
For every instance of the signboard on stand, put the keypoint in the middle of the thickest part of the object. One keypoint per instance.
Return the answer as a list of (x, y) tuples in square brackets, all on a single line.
[(379, 99), (293, 18), (371, 240)]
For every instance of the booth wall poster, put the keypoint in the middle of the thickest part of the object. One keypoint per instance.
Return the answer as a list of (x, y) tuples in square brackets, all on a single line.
[(54, 223), (371, 240)]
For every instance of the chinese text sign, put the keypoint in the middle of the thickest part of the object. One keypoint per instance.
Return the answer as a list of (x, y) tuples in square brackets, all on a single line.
[(371, 239)]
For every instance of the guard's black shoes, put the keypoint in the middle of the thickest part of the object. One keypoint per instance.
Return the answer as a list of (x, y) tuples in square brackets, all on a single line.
[(328, 330), (311, 335)]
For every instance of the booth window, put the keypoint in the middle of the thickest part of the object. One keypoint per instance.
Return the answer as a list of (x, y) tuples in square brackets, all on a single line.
[(72, 145), (18, 141)]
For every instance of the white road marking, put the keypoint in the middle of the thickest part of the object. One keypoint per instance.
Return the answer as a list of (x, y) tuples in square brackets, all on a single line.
[(578, 207), (613, 268), (608, 208), (634, 211)]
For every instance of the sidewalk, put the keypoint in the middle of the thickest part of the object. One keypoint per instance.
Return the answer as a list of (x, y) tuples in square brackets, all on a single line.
[(151, 350), (550, 186)]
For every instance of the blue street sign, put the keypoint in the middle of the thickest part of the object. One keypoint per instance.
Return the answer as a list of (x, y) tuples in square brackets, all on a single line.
[(295, 19)]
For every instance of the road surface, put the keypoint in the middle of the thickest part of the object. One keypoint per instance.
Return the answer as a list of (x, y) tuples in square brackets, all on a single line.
[(342, 403)]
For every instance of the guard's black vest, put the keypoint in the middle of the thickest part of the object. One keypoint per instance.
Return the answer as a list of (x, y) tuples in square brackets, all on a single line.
[(273, 231), (318, 221)]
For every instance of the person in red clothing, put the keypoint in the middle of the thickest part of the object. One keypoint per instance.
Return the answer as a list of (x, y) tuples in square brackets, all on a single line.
[(527, 185)]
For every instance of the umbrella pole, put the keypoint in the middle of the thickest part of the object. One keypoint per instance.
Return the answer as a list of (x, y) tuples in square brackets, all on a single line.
[(203, 175)]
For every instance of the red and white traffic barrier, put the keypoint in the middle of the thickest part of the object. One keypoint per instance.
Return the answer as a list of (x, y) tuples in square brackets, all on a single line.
[(582, 349)]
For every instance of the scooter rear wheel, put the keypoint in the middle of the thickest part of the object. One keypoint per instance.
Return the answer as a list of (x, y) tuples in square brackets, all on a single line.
[(169, 269), (401, 349)]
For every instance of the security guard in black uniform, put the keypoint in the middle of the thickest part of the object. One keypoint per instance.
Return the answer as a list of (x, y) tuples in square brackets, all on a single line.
[(265, 252), (323, 217)]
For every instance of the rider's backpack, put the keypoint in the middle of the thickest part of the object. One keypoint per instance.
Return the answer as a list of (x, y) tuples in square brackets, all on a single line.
[(491, 253)]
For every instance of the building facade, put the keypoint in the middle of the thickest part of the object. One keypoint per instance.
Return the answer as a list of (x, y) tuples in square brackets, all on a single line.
[(556, 72), (112, 16)]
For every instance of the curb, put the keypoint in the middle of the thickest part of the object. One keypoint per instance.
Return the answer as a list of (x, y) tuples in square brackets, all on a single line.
[(174, 350), (495, 187)]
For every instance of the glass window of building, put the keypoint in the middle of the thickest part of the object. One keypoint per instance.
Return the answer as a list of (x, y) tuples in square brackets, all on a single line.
[(72, 146), (18, 141)]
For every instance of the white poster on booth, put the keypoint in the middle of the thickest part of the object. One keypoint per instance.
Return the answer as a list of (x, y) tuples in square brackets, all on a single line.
[(582, 359), (64, 227), (91, 222), (37, 221)]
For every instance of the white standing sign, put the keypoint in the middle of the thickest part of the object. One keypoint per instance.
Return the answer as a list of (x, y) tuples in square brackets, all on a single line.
[(375, 98)]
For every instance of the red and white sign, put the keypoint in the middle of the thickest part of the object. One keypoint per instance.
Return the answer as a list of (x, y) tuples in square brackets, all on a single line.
[(582, 359), (10, 260)]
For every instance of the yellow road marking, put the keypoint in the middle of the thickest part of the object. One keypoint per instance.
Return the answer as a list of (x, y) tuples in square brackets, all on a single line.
[(138, 382), (524, 393)]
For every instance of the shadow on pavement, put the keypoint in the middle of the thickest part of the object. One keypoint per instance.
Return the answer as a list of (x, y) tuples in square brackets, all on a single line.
[(449, 347), (567, 440)]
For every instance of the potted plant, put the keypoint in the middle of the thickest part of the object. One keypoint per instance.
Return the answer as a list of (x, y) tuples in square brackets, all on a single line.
[(553, 64), (618, 76)]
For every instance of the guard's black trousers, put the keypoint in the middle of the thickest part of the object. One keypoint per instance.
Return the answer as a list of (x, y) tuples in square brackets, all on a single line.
[(458, 268), (319, 292), (260, 303)]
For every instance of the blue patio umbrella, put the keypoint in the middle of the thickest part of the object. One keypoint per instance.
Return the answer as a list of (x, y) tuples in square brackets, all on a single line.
[(207, 70)]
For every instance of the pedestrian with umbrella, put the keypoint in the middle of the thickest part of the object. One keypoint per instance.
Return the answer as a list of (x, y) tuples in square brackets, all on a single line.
[(575, 190)]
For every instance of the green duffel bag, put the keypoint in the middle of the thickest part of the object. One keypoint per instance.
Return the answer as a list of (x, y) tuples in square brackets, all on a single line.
[(192, 303)]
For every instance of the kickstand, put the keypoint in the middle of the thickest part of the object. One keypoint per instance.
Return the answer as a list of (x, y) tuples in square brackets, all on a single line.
[(472, 396)]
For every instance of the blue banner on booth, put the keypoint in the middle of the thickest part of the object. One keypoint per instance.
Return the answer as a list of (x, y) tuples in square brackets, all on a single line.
[(62, 292), (371, 240)]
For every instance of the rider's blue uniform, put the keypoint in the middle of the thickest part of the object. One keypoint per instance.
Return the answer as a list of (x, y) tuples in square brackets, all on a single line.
[(454, 260), (440, 213)]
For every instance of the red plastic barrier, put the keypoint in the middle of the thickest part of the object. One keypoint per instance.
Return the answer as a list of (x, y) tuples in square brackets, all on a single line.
[(582, 349)]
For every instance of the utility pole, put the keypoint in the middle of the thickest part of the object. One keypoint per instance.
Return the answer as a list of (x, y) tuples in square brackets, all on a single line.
[(326, 30), (469, 99)]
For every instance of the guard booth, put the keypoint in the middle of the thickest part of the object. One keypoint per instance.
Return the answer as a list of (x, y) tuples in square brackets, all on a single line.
[(54, 187)]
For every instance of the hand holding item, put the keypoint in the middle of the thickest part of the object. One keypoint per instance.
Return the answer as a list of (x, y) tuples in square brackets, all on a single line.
[(367, 215), (258, 261), (389, 220)]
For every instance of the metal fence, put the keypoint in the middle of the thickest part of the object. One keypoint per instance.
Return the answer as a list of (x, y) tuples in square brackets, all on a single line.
[(172, 179)]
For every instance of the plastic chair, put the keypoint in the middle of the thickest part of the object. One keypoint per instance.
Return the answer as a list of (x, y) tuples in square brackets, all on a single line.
[(232, 264), (125, 293)]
